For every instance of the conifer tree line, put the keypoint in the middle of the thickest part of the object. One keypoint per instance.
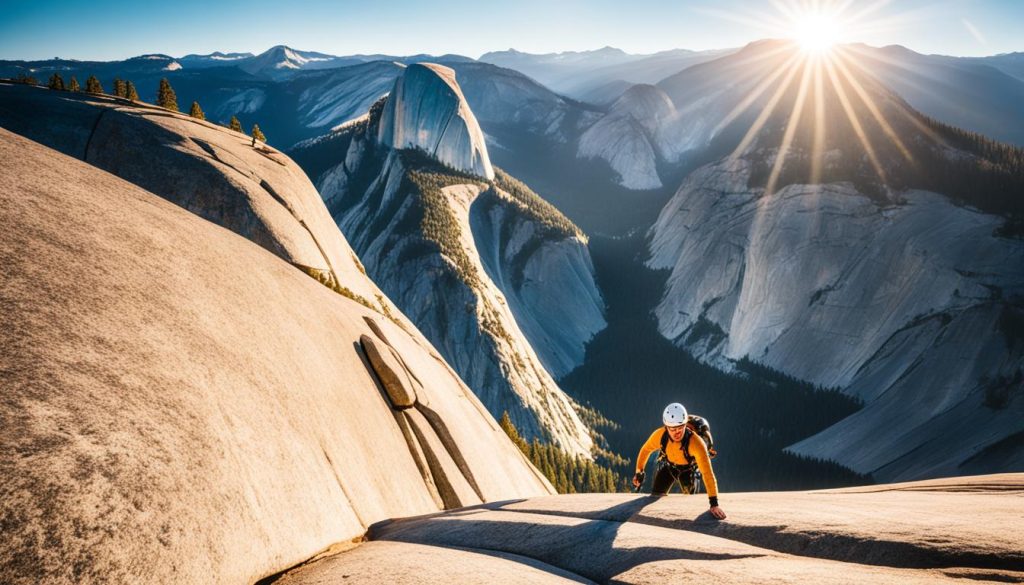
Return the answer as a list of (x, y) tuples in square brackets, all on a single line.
[(569, 474), (165, 97)]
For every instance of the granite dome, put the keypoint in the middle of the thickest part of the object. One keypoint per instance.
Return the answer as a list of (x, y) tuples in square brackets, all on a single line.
[(426, 110)]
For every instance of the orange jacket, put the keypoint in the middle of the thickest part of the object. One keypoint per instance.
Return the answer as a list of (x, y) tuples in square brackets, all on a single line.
[(674, 451)]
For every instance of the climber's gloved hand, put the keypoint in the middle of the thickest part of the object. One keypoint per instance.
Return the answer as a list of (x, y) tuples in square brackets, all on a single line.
[(638, 479)]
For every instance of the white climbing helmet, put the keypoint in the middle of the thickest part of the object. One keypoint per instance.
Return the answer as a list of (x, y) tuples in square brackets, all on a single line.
[(674, 415)]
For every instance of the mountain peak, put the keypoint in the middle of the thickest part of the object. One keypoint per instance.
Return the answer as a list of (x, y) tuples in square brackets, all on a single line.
[(426, 110)]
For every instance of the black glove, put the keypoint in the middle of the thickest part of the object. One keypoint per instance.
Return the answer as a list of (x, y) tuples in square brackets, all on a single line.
[(638, 479)]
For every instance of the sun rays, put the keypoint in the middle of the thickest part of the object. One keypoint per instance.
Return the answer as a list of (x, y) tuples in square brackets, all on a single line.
[(820, 77), (816, 32)]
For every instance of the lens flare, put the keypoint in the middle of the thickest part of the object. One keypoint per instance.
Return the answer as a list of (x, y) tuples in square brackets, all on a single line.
[(826, 80), (816, 33)]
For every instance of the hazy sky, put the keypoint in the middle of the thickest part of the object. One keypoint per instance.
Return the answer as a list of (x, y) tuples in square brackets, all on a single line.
[(115, 29)]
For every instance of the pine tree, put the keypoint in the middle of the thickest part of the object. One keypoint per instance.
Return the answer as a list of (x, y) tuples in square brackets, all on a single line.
[(27, 79), (120, 89), (92, 85), (73, 85), (165, 97), (196, 112), (130, 92), (257, 135), (235, 124), (510, 429), (562, 482), (56, 82)]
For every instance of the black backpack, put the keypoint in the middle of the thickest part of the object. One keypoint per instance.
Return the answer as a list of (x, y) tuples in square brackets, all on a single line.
[(694, 424), (690, 479)]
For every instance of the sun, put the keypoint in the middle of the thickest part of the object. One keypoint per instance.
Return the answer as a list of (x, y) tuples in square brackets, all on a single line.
[(816, 32)]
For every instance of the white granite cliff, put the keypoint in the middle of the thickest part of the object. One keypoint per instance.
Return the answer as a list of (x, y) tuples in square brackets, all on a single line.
[(902, 306), (426, 110), (631, 138), (494, 298)]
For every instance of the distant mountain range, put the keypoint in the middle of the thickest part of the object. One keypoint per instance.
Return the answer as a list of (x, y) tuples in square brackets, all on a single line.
[(602, 75), (280, 88)]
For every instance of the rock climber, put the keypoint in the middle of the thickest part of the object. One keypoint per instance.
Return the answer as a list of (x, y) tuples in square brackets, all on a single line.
[(681, 451)]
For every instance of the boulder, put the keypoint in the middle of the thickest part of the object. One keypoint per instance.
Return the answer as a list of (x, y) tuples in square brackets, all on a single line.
[(453, 487), (391, 372)]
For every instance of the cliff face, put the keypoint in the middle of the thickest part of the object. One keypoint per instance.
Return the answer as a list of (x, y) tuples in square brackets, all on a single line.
[(426, 110), (468, 286), (209, 170), (858, 245), (487, 270), (182, 405), (632, 138), (548, 282), (910, 308)]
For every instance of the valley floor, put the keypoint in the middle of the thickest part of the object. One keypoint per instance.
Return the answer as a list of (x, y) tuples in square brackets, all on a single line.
[(934, 531)]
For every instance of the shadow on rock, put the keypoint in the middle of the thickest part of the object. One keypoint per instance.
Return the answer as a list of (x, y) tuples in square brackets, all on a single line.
[(596, 549)]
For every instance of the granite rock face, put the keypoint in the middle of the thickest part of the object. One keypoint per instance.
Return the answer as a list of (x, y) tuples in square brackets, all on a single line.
[(181, 405), (494, 297), (392, 372), (944, 531), (479, 328), (258, 193), (339, 95), (621, 141), (910, 308), (638, 131), (548, 282), (426, 110)]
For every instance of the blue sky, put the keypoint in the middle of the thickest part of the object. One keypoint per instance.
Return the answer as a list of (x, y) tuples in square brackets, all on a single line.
[(115, 29)]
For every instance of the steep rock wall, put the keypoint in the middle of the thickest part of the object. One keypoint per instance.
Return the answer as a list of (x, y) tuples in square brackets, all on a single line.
[(493, 342), (426, 110), (908, 307)]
